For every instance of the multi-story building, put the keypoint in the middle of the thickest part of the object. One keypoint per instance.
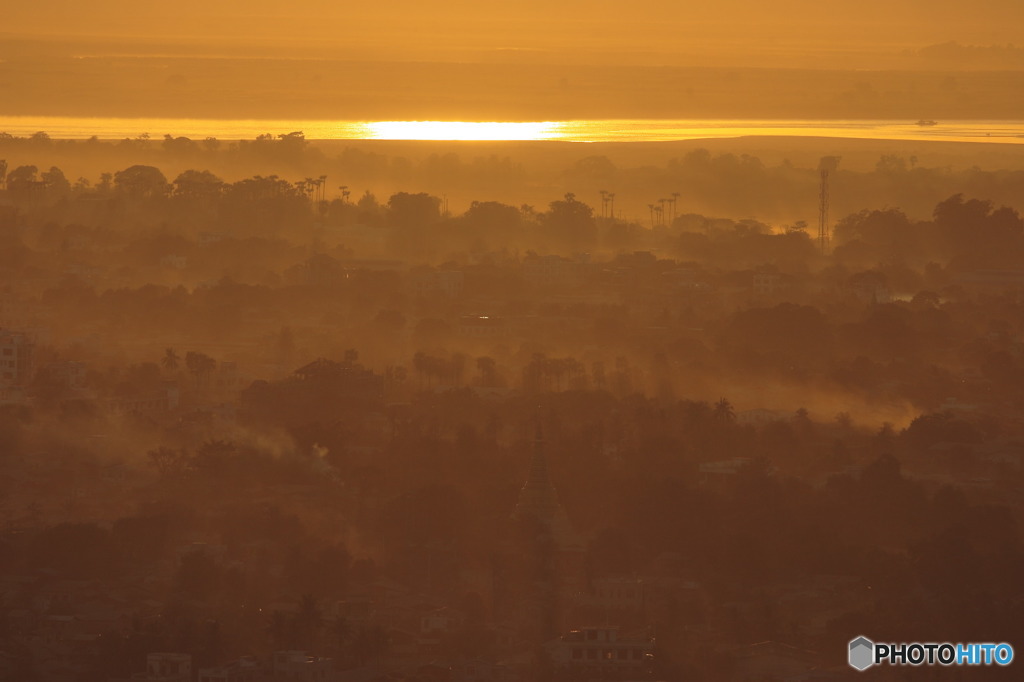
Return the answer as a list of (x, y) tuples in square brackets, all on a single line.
[(162, 667), (16, 350), (603, 652)]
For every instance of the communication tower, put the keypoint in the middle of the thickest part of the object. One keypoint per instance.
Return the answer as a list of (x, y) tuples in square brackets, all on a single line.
[(825, 166)]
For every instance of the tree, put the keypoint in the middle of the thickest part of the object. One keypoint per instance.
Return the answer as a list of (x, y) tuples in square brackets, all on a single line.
[(170, 361), (55, 184), (141, 182), (198, 185), (499, 223), (22, 181), (178, 146), (200, 365), (570, 223), (975, 235), (169, 462), (487, 367), (413, 211), (724, 411)]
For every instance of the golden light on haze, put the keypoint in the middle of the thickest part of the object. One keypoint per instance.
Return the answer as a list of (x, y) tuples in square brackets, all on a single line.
[(463, 130), (614, 130)]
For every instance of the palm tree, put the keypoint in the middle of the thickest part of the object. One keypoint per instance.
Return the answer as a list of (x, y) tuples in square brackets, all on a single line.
[(170, 361), (651, 207), (724, 411)]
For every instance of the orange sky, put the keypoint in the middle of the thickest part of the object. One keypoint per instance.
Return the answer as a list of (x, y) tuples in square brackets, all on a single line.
[(640, 24), (523, 60)]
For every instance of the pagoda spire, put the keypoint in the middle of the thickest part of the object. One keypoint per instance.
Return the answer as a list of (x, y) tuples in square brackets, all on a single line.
[(538, 497)]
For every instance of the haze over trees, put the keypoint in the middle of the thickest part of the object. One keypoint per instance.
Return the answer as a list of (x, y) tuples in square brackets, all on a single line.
[(271, 399)]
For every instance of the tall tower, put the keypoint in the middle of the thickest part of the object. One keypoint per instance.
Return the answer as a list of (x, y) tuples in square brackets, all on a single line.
[(538, 499), (550, 554), (825, 166)]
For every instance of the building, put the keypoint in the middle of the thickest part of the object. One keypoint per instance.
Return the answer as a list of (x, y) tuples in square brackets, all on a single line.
[(16, 351), (168, 668), (602, 652), (774, 661), (545, 568), (539, 500), (245, 669), (766, 282), (483, 327), (296, 666), (437, 282), (618, 594), (551, 271)]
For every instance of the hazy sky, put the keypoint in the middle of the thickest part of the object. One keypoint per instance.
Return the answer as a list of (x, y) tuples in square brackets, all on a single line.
[(658, 24), (524, 60)]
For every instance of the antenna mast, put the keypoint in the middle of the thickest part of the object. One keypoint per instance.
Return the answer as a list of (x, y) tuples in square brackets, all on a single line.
[(825, 166), (823, 213)]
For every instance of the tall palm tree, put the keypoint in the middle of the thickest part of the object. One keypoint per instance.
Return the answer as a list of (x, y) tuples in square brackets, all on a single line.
[(170, 361), (724, 411)]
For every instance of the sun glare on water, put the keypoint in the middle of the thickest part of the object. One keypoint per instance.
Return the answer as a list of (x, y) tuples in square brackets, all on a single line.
[(462, 130)]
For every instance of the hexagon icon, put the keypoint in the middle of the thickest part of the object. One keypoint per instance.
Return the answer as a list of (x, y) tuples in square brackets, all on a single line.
[(862, 653)]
